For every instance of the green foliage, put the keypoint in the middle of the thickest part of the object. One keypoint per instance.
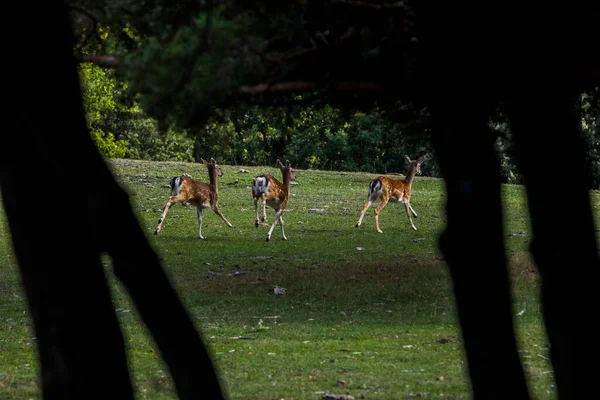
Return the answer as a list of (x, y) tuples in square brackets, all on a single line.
[(109, 108), (505, 149), (108, 146), (182, 81), (187, 58), (310, 142), (147, 142), (99, 90), (591, 133), (216, 140), (313, 137), (262, 134), (366, 133), (183, 65)]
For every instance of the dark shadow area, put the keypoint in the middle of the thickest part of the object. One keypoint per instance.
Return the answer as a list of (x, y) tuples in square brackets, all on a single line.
[(81, 214), (463, 81), (546, 53)]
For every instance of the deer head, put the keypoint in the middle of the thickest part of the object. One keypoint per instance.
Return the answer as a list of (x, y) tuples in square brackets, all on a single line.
[(287, 168), (213, 166), (417, 163)]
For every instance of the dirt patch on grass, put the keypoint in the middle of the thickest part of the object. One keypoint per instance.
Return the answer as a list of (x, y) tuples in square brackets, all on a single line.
[(522, 268), (408, 276)]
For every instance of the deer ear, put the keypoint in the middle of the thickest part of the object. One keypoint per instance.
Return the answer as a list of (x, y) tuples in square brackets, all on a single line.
[(204, 161), (287, 163), (407, 159), (212, 161), (278, 163), (421, 159)]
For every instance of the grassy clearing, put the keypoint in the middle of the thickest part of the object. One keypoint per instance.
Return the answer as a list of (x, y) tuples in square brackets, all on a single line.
[(365, 313)]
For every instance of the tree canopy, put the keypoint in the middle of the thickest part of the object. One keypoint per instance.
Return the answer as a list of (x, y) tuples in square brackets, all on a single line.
[(187, 58), (197, 67)]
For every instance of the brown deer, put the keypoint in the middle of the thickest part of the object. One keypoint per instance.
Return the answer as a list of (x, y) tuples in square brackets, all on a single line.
[(395, 190), (188, 191), (274, 194)]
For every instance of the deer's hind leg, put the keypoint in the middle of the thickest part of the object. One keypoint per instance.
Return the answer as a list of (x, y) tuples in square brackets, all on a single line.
[(255, 198), (199, 211), (364, 210), (263, 220), (172, 200), (220, 214), (408, 210), (382, 202), (412, 210), (278, 217), (372, 198)]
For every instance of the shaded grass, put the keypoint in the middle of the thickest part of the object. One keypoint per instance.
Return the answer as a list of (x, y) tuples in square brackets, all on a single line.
[(372, 310)]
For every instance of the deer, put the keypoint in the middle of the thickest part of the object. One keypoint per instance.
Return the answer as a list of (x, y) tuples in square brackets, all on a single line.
[(274, 194), (396, 190), (188, 191)]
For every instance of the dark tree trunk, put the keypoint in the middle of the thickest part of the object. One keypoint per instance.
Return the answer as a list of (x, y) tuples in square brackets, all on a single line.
[(64, 210), (475, 55)]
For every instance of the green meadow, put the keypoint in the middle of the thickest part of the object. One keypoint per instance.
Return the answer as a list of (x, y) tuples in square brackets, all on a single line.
[(365, 314)]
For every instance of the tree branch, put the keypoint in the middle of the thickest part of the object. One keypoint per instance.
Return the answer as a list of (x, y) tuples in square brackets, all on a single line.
[(302, 86), (377, 6), (99, 60)]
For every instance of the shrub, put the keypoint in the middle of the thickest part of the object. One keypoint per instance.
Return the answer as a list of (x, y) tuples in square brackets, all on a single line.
[(108, 146)]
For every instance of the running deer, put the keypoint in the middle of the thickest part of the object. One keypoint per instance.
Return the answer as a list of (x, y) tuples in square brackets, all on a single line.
[(395, 190), (188, 191), (274, 194)]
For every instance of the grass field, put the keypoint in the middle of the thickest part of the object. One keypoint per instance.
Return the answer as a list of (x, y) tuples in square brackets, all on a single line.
[(367, 314)]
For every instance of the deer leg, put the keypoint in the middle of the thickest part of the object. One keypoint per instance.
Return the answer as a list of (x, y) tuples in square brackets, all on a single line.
[(199, 210), (382, 203), (281, 223), (412, 210), (277, 216), (218, 212), (256, 211), (264, 209), (408, 208), (172, 200), (364, 210)]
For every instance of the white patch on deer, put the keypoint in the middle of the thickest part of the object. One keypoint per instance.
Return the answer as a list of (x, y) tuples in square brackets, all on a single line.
[(175, 185), (375, 190), (375, 186), (260, 185)]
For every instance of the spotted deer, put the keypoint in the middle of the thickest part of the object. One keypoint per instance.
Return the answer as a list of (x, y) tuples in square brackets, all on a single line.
[(385, 189), (188, 191), (274, 194)]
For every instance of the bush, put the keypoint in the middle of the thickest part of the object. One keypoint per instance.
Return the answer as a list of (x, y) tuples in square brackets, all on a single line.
[(108, 146), (146, 142)]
